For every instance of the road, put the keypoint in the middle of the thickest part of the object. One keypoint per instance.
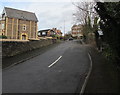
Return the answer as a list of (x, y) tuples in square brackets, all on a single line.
[(61, 69)]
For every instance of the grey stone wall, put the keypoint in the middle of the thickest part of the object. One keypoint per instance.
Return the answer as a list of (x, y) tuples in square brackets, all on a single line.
[(14, 48)]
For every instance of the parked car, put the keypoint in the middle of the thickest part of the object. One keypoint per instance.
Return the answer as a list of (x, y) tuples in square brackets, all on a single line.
[(70, 39)]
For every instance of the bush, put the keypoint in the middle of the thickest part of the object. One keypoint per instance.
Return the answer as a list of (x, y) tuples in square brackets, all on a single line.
[(3, 37), (109, 53)]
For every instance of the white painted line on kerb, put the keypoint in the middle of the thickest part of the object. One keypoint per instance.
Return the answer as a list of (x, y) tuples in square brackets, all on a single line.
[(55, 62), (88, 75)]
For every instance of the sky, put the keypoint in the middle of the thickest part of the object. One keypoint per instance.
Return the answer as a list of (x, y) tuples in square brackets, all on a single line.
[(49, 14)]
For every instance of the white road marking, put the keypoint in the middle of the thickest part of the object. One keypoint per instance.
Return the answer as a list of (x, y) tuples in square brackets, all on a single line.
[(87, 77), (55, 62)]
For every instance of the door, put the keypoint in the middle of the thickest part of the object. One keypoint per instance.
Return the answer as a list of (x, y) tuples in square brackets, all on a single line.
[(23, 37)]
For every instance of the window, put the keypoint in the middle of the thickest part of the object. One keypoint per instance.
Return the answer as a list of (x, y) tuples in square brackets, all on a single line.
[(3, 16), (39, 34), (43, 33), (2, 26), (24, 27)]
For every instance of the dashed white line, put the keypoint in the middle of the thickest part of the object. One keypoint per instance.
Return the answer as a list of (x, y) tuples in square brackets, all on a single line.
[(55, 62), (87, 77)]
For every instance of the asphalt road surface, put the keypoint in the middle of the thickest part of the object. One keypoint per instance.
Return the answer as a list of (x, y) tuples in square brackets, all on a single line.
[(61, 69)]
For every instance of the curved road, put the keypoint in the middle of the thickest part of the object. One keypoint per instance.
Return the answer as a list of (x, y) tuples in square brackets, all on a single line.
[(61, 69)]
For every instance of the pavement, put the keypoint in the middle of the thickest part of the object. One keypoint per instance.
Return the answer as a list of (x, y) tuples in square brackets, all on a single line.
[(105, 76)]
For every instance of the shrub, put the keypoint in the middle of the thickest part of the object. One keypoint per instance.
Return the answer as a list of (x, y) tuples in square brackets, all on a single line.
[(109, 53), (3, 37)]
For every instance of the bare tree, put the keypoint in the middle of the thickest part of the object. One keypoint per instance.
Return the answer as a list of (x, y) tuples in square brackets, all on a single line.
[(83, 10), (85, 15)]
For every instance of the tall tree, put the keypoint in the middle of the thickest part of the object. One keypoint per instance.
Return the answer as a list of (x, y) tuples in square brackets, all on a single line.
[(109, 13), (85, 15)]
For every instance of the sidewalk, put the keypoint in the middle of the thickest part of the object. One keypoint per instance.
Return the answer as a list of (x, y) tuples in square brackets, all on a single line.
[(104, 78)]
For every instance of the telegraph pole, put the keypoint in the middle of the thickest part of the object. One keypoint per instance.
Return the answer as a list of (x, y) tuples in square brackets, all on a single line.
[(64, 29)]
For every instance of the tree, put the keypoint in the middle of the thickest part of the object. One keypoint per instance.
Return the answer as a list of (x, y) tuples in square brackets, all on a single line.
[(109, 13), (85, 15)]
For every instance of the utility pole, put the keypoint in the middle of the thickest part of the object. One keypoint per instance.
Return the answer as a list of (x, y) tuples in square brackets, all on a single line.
[(64, 29)]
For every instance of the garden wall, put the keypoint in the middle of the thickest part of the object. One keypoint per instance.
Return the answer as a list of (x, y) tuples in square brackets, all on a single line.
[(11, 48)]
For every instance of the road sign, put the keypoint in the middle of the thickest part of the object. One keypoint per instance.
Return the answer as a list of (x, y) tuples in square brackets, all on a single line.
[(100, 32)]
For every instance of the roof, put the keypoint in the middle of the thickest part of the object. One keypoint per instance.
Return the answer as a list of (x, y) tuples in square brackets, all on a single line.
[(44, 30), (58, 32), (20, 14), (74, 25), (76, 32)]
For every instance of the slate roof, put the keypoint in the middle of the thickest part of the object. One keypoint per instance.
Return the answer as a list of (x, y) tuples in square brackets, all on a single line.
[(20, 14), (44, 30)]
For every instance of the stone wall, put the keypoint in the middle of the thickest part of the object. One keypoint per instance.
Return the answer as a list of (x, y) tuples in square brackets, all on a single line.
[(13, 48)]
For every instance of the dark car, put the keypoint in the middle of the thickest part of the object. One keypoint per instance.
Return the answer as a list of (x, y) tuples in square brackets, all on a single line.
[(70, 39)]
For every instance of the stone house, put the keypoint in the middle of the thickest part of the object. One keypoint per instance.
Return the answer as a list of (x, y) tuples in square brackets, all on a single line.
[(18, 24), (2, 27)]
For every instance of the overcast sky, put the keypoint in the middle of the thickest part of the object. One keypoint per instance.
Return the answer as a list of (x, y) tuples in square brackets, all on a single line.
[(49, 14)]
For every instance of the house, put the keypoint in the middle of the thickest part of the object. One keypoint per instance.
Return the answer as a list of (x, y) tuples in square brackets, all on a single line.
[(77, 31), (2, 31), (46, 33), (18, 24), (58, 33), (43, 33), (50, 33)]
